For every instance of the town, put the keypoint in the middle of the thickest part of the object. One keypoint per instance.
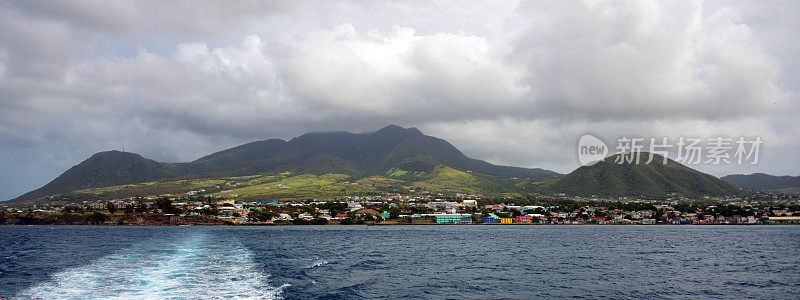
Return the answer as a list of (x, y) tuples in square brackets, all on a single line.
[(389, 208)]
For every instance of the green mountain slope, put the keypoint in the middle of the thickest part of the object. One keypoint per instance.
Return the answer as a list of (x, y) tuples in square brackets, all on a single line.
[(236, 156), (105, 169), (291, 186), (764, 182), (355, 155), (608, 178)]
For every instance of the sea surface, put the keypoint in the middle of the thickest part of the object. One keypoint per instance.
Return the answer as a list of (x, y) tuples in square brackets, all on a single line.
[(438, 262)]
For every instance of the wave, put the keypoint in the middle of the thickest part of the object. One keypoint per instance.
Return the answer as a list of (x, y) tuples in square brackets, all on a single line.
[(198, 266), (316, 263)]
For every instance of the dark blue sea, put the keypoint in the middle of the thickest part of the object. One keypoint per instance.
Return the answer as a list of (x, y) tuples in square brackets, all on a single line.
[(438, 262)]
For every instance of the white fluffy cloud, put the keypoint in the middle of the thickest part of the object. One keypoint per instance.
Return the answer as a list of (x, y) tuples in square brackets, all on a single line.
[(512, 83)]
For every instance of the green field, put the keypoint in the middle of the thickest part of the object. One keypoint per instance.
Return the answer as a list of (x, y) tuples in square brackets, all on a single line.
[(178, 186), (288, 186), (304, 186)]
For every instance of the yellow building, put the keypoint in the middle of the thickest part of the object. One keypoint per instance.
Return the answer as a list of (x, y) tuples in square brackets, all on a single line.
[(506, 221)]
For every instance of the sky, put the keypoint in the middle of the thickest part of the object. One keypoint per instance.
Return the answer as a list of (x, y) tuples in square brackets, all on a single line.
[(513, 83)]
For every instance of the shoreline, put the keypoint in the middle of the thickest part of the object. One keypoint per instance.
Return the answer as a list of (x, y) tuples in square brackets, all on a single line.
[(174, 220), (419, 224)]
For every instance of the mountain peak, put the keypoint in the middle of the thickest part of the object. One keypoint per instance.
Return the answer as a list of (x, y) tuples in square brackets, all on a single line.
[(114, 154), (392, 127), (107, 168), (414, 131), (397, 131), (654, 179)]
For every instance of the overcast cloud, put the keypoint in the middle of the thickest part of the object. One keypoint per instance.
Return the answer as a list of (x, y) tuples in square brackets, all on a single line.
[(512, 83)]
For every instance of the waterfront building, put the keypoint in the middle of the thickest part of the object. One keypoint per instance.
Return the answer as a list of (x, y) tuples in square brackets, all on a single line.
[(491, 219), (523, 219), (453, 218)]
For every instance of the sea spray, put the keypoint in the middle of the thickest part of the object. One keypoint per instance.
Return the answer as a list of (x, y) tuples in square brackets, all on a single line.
[(197, 266)]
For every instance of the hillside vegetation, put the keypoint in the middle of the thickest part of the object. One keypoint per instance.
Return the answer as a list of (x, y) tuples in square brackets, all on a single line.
[(338, 164), (404, 155), (765, 182), (608, 178)]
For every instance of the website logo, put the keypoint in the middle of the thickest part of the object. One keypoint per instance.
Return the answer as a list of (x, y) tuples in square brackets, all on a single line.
[(689, 151), (591, 150)]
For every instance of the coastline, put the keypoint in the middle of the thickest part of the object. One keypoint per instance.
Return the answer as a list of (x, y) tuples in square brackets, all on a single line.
[(223, 223), (99, 218)]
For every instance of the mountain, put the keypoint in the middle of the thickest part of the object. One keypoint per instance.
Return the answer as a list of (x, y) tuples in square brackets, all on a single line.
[(105, 169), (608, 178), (390, 149), (237, 155), (764, 182)]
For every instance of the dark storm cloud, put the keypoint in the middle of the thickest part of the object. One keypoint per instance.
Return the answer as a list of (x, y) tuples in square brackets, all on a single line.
[(515, 84)]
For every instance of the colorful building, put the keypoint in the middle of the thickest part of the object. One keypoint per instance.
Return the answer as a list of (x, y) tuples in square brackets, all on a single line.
[(491, 219), (453, 218), (524, 219)]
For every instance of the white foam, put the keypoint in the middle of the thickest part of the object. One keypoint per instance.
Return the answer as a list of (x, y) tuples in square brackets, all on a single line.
[(317, 263), (196, 267)]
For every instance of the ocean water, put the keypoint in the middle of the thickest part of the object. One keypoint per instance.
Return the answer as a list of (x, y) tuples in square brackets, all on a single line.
[(439, 262)]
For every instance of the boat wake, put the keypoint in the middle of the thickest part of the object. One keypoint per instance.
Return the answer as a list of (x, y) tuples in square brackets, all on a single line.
[(198, 266)]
